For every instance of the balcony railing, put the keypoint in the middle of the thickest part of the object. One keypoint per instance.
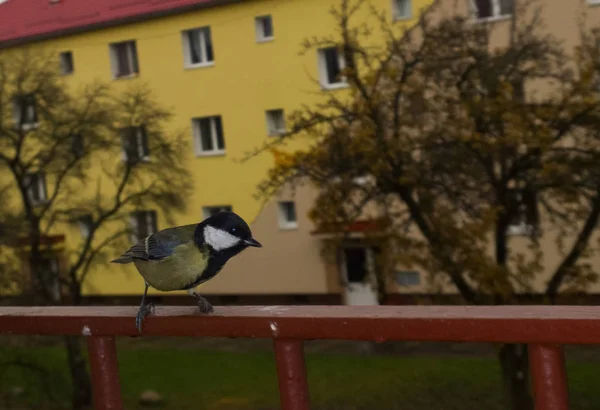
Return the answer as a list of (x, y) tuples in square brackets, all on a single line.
[(544, 328)]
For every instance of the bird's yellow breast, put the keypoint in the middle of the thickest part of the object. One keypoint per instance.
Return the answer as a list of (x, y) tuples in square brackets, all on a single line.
[(176, 271)]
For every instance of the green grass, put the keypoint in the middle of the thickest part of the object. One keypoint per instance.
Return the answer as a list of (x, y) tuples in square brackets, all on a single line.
[(216, 380)]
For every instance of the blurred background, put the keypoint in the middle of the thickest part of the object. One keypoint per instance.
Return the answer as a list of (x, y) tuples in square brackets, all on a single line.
[(384, 152)]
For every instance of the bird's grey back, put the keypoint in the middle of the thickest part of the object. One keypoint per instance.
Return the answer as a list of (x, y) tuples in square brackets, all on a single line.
[(158, 245)]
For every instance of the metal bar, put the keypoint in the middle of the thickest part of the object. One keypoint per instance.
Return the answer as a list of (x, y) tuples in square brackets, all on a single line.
[(105, 373), (493, 324), (549, 377), (291, 373)]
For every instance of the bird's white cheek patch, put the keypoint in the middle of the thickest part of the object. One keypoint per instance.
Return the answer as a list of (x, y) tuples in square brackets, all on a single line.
[(219, 239)]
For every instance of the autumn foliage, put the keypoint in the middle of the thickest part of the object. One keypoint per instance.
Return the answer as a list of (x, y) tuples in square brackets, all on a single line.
[(463, 135), (461, 139)]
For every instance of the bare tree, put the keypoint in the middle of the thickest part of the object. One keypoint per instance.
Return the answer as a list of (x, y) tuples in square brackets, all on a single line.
[(88, 159), (462, 144)]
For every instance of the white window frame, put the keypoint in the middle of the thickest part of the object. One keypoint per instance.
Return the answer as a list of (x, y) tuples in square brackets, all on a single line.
[(273, 117), (260, 29), (31, 113), (206, 210), (323, 74), (131, 48), (397, 10), (151, 220), (213, 131), (187, 56), (522, 229), (40, 187), (360, 180), (139, 134), (62, 56), (284, 222), (496, 11), (402, 274)]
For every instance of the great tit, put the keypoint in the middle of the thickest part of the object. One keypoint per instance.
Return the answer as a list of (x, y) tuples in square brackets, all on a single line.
[(183, 257)]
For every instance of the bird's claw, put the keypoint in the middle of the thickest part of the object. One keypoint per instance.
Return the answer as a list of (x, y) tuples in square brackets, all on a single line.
[(142, 313), (204, 306)]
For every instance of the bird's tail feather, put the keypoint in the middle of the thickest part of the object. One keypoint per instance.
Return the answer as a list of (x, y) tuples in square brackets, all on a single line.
[(123, 259)]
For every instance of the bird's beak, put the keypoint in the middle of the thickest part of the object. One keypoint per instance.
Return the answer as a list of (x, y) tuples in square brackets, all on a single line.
[(253, 242)]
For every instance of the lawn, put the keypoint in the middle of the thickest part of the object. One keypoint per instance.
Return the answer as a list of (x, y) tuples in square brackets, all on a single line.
[(218, 379)]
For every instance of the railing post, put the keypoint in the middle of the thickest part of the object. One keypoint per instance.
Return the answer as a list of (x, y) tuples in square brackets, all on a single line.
[(102, 351), (549, 377), (291, 373)]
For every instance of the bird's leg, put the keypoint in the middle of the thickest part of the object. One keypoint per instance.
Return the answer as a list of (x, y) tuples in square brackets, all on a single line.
[(203, 304), (144, 310)]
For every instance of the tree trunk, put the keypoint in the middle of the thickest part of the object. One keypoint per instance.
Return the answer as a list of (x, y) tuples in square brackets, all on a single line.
[(82, 386), (515, 374)]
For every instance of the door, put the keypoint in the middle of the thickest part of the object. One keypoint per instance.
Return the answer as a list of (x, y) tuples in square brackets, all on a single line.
[(357, 267)]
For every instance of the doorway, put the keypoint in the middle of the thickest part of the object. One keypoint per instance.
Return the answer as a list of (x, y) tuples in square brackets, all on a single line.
[(357, 268)]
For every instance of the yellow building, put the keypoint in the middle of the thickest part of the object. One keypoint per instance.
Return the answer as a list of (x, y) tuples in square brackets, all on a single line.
[(231, 71)]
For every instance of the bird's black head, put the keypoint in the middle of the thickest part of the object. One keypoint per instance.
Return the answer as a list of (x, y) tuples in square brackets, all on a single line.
[(226, 232)]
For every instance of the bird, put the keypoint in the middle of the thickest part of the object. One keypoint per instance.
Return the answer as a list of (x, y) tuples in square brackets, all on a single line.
[(183, 257)]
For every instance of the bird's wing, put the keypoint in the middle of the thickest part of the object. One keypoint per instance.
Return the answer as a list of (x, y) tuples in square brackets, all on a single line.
[(161, 244)]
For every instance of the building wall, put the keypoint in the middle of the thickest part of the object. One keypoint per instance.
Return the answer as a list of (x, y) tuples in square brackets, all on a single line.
[(564, 19), (246, 79)]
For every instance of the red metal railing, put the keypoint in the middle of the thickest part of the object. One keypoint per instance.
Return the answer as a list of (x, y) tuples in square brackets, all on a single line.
[(544, 328)]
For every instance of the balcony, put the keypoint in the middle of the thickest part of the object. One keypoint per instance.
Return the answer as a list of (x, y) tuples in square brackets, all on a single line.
[(544, 328)]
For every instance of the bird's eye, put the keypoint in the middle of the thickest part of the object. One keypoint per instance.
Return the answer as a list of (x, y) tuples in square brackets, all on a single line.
[(232, 230)]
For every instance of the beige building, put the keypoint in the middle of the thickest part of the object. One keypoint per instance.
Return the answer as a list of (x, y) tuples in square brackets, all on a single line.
[(296, 252)]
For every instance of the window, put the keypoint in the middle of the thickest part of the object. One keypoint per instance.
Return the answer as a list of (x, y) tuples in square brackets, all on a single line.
[(209, 136), (85, 223), (264, 28), (275, 122), (331, 64), (287, 215), (135, 144), (488, 9), (408, 278), (526, 217), (143, 224), (66, 63), (209, 211), (35, 185), (362, 180), (25, 111), (77, 145), (123, 59), (401, 9), (198, 47), (358, 180)]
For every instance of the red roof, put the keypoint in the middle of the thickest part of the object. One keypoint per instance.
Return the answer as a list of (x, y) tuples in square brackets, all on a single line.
[(28, 20)]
